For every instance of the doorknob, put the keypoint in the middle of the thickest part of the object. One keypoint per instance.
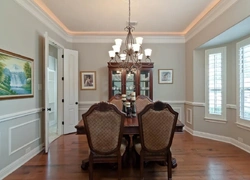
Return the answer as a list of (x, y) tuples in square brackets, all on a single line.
[(76, 102), (48, 109)]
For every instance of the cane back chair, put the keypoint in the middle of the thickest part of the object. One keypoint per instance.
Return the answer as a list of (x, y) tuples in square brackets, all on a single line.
[(104, 128), (157, 123)]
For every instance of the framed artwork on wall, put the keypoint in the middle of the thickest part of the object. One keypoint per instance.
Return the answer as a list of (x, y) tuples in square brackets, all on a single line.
[(165, 76), (16, 76), (88, 80)]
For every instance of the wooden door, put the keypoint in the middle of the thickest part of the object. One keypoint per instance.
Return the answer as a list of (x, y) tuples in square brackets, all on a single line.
[(70, 90)]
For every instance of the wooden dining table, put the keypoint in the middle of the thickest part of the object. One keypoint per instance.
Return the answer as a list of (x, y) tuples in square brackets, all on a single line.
[(131, 127)]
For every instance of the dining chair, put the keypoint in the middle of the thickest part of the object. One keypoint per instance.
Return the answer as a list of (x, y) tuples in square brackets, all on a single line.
[(141, 102), (117, 100), (104, 128), (157, 123)]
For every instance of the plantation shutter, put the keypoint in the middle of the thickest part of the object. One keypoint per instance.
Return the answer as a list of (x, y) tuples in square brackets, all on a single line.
[(215, 84), (244, 81)]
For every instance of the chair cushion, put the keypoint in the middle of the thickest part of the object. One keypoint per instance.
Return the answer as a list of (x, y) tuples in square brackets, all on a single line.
[(124, 144), (137, 146)]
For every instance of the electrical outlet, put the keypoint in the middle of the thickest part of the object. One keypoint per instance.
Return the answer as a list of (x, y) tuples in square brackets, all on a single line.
[(27, 150), (240, 139)]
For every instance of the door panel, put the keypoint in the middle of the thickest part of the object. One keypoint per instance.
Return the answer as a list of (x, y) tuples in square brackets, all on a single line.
[(70, 90)]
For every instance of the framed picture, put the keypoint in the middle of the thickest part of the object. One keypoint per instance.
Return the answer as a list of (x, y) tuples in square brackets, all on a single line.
[(165, 76), (88, 80), (16, 76)]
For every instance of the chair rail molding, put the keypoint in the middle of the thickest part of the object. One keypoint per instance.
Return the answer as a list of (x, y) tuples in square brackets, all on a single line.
[(198, 104), (85, 105), (231, 106), (8, 117)]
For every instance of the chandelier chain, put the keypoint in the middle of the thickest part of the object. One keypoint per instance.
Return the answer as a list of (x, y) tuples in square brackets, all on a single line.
[(129, 13)]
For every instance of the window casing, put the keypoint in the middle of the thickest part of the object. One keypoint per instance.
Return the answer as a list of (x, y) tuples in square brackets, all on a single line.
[(215, 84), (243, 81)]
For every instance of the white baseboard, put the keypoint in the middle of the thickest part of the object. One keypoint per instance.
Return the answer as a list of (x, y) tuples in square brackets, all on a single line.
[(19, 162), (220, 138)]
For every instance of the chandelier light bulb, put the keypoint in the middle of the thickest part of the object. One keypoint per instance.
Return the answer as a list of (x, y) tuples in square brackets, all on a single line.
[(148, 52), (112, 54), (118, 42), (139, 40), (136, 47), (116, 48), (123, 56)]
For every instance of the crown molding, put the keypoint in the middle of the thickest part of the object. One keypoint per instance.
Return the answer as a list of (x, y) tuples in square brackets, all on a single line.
[(31, 7), (211, 16)]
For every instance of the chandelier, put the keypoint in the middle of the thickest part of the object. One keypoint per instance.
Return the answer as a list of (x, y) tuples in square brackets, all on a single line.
[(131, 57)]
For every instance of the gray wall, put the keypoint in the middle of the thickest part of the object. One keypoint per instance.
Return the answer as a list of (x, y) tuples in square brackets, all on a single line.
[(21, 120), (94, 57), (195, 75)]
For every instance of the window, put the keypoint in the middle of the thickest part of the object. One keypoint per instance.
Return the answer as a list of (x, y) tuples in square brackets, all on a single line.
[(243, 81), (215, 78)]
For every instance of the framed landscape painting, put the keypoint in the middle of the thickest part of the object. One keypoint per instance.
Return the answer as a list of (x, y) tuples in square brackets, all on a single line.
[(88, 80), (16, 76), (165, 76)]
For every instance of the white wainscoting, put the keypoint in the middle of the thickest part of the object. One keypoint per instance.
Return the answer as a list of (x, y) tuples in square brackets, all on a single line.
[(189, 116), (225, 139), (14, 134), (19, 162), (179, 110)]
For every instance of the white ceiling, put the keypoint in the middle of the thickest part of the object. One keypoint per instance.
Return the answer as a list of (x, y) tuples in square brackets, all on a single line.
[(159, 21), (158, 17)]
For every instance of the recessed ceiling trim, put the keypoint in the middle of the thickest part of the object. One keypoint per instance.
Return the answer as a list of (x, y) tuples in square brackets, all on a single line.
[(110, 39), (201, 15), (211, 16), (153, 37)]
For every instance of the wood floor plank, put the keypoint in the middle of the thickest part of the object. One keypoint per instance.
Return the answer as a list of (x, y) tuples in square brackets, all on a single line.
[(197, 158)]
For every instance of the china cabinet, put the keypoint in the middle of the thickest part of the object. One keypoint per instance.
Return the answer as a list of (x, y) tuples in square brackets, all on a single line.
[(123, 82)]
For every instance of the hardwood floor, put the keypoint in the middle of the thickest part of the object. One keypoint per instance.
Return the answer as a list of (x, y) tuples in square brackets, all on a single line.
[(197, 158)]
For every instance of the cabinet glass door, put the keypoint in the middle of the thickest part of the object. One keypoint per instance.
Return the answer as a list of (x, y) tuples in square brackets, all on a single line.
[(116, 82), (130, 83), (145, 83)]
